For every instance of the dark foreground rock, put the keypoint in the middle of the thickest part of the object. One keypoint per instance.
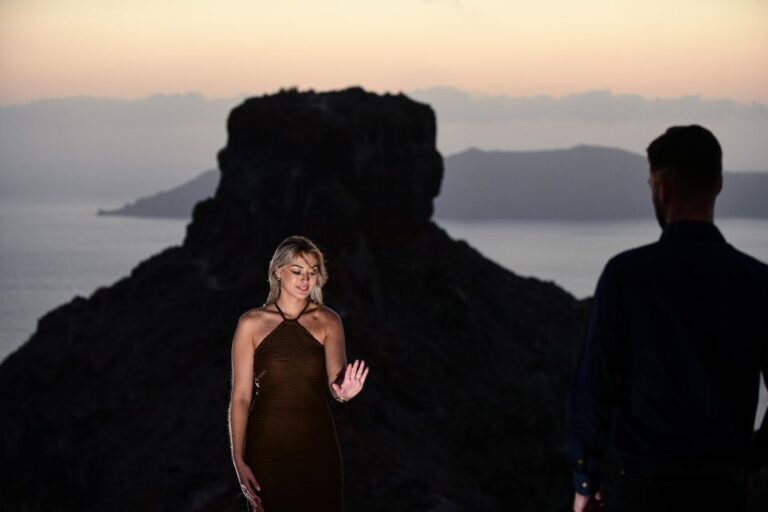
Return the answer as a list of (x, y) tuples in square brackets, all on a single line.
[(119, 401)]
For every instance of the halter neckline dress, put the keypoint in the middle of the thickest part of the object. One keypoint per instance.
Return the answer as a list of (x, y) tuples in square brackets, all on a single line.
[(291, 444)]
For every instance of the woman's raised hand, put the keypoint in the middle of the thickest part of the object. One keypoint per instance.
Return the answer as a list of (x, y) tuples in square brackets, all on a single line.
[(354, 378)]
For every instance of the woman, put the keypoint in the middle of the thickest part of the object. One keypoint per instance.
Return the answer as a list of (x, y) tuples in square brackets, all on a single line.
[(284, 354)]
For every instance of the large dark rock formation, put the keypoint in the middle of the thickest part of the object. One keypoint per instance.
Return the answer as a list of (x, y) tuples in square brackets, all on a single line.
[(119, 401)]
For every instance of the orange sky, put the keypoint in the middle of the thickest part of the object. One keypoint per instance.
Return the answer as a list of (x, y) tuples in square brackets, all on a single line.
[(119, 48)]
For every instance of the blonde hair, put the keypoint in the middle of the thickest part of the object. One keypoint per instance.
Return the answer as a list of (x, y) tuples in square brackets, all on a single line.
[(287, 250)]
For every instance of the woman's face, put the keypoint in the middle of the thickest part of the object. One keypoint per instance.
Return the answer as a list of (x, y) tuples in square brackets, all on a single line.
[(299, 277)]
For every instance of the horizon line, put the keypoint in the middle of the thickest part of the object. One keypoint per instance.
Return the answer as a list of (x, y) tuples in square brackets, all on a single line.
[(475, 95)]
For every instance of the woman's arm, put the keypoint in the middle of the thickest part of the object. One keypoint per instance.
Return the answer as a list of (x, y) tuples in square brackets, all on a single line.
[(335, 348), (240, 403), (345, 380), (242, 385)]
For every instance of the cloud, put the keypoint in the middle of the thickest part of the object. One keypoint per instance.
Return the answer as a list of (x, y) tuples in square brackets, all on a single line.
[(598, 106)]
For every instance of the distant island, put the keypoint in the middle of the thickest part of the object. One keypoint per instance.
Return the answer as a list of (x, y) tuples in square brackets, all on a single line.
[(584, 182), (175, 203)]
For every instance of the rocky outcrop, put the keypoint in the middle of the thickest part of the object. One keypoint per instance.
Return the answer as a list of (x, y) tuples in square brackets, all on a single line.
[(119, 401)]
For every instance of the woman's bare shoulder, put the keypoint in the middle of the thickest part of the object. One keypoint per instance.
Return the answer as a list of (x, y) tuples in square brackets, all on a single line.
[(261, 317), (326, 315)]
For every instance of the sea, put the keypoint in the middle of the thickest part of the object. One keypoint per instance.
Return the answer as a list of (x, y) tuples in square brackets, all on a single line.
[(53, 250)]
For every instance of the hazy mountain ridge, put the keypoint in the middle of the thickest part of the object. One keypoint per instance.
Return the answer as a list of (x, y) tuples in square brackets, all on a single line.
[(579, 183), (108, 147), (596, 106), (176, 202), (596, 118), (584, 182), (99, 147)]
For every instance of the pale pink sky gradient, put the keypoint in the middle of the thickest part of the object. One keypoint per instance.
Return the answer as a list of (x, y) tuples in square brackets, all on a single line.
[(118, 48)]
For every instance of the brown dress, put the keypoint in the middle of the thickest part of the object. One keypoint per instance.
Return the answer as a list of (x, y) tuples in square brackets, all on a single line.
[(291, 443)]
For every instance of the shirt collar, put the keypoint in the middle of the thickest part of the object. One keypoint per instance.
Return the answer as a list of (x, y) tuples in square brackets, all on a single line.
[(690, 230)]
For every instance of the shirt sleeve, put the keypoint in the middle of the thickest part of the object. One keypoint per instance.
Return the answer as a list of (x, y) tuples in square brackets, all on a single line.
[(592, 397), (759, 452)]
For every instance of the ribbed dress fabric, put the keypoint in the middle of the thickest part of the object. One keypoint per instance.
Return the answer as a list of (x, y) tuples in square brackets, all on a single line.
[(291, 444)]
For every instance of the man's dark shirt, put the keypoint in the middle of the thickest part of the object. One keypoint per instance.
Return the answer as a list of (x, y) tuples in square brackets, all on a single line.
[(677, 338)]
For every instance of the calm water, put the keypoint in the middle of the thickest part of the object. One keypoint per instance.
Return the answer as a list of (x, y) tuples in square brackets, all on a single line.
[(51, 252), (572, 254)]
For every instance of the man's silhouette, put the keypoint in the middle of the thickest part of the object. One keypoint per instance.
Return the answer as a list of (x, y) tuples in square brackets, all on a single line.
[(669, 370)]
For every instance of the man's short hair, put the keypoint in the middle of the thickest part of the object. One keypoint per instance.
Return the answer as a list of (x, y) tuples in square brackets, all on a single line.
[(691, 155)]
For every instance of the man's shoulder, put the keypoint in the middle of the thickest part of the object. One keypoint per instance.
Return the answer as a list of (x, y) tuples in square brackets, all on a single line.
[(748, 262), (633, 259), (630, 258)]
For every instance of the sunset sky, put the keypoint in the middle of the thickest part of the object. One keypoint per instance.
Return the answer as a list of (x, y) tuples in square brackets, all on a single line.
[(130, 49)]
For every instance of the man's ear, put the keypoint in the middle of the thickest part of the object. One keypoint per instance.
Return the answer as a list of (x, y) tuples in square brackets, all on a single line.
[(665, 189), (719, 185)]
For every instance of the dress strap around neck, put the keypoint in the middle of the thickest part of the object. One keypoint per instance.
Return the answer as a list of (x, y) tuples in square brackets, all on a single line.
[(304, 309), (280, 311), (297, 316)]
